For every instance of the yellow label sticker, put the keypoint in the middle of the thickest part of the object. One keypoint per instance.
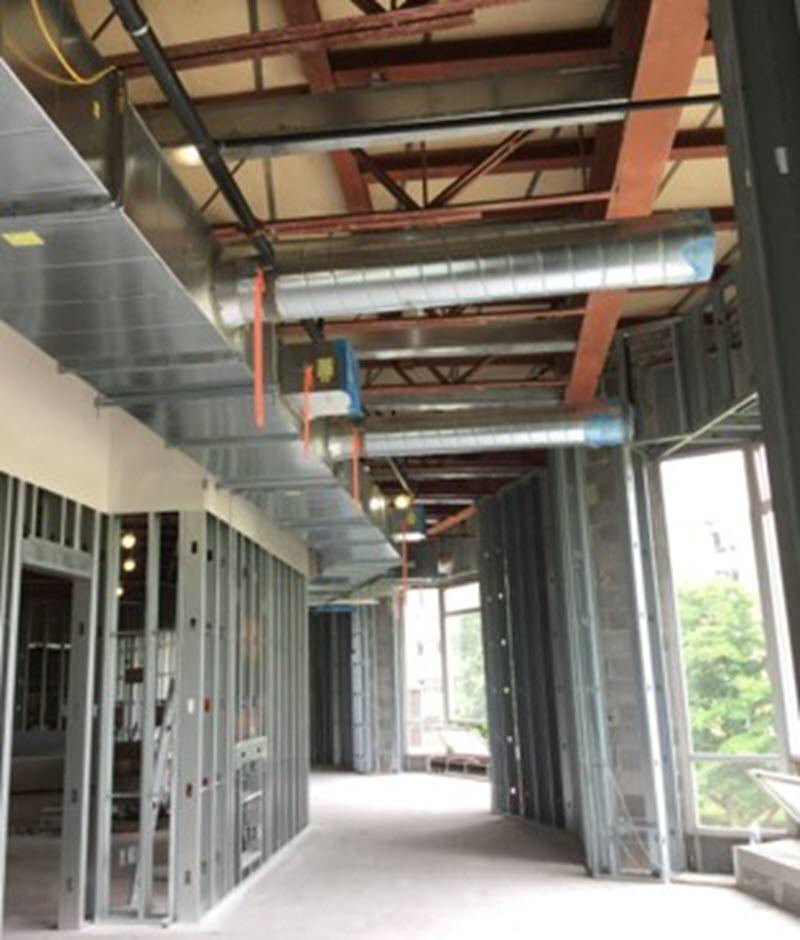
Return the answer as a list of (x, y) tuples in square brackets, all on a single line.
[(24, 239), (325, 370), (97, 110)]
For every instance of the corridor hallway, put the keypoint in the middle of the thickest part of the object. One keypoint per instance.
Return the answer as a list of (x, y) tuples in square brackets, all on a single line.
[(419, 857)]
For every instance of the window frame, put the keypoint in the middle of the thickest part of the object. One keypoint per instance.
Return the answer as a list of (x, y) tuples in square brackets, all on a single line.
[(444, 615), (779, 668)]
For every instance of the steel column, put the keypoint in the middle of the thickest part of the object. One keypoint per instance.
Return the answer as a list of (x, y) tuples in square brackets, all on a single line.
[(758, 55)]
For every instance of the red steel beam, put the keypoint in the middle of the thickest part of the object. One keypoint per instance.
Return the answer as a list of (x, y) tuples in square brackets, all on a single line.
[(409, 218), (539, 156), (317, 69), (630, 159), (490, 161), (450, 59), (457, 519), (537, 207), (309, 37)]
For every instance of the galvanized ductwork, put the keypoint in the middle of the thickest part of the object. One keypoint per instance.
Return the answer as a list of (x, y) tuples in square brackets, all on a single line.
[(480, 264), (606, 428)]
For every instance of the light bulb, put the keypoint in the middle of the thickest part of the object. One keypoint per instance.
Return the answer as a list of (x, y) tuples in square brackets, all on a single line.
[(188, 155), (377, 503), (403, 501), (128, 541), (129, 564)]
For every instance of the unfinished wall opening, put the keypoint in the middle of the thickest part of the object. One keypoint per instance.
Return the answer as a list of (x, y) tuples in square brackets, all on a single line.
[(444, 679), (142, 656), (38, 750)]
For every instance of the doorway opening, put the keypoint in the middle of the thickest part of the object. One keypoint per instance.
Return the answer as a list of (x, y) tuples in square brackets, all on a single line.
[(445, 692), (38, 750)]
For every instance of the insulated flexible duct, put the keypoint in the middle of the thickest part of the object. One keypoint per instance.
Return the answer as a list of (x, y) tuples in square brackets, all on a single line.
[(608, 428), (481, 264)]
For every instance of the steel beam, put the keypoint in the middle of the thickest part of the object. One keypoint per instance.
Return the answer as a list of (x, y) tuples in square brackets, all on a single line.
[(305, 37), (537, 156), (631, 161), (498, 209), (758, 50), (317, 69), (451, 522), (446, 58)]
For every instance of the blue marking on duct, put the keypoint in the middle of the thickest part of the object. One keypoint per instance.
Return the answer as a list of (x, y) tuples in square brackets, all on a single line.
[(348, 370), (332, 609), (607, 430), (700, 249)]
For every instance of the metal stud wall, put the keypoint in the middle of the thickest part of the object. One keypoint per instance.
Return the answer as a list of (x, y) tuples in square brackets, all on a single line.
[(42, 532), (194, 641), (570, 678), (354, 689), (523, 651)]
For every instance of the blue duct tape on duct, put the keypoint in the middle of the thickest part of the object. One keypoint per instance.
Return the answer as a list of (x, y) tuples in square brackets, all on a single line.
[(700, 250), (348, 370), (608, 430)]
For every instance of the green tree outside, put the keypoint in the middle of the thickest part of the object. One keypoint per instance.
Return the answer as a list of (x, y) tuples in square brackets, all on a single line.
[(465, 662), (730, 699)]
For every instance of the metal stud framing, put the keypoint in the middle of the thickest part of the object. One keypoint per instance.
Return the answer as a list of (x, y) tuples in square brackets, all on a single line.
[(231, 720)]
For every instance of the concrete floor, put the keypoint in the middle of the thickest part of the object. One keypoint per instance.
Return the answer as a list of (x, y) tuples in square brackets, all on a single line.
[(419, 857)]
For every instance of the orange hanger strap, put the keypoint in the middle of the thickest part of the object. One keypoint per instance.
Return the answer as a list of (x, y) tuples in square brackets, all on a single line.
[(308, 388), (259, 287)]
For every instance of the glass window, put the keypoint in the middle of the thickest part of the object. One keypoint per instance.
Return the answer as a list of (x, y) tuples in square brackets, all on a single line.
[(425, 706), (444, 671), (466, 690), (728, 697), (462, 597)]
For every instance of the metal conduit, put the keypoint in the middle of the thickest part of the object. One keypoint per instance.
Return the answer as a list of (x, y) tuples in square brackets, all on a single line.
[(358, 276), (610, 428), (151, 50)]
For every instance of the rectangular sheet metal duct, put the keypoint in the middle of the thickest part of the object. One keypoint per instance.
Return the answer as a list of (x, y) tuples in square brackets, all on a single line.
[(388, 114)]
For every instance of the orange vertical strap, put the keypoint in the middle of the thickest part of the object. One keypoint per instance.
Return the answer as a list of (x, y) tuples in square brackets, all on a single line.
[(259, 286), (355, 487), (308, 387)]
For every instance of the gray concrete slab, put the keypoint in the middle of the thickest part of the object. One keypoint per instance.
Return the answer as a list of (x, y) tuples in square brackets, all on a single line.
[(419, 857)]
